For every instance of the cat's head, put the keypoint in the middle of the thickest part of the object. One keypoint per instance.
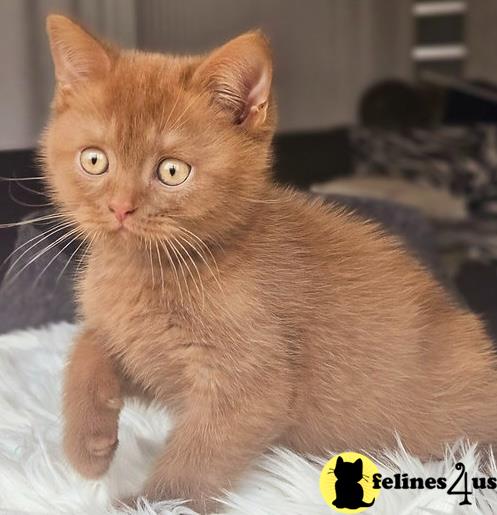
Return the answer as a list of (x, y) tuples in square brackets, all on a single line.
[(347, 470), (140, 143)]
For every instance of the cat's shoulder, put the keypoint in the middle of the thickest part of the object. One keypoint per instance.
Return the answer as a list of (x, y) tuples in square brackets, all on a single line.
[(317, 213)]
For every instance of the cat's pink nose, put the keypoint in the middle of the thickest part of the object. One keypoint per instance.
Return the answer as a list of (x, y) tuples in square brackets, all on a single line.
[(121, 210)]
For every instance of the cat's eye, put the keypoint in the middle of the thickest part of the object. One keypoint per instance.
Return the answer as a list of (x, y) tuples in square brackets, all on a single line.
[(173, 172), (93, 161)]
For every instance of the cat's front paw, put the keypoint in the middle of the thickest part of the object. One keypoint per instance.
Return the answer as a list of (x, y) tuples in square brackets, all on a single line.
[(91, 441)]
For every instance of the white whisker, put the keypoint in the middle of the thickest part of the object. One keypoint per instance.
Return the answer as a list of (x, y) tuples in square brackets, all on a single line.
[(171, 261), (204, 245), (149, 246), (41, 253), (200, 254), (176, 125), (160, 266), (176, 253), (27, 188), (45, 268), (61, 273), (6, 179), (85, 253), (21, 202), (180, 92), (196, 269), (262, 201), (54, 230), (34, 238), (31, 221)]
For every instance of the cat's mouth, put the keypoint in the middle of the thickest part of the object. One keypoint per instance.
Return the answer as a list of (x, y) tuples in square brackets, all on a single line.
[(112, 227), (125, 229), (121, 229)]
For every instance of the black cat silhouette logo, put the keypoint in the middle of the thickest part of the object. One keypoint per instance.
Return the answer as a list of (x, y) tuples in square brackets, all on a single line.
[(346, 483)]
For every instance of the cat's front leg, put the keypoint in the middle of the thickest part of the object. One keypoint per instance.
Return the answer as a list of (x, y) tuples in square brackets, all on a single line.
[(211, 446), (91, 405)]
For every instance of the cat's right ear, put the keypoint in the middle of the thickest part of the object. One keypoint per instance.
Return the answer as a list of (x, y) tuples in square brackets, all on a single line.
[(76, 54), (339, 460), (238, 75)]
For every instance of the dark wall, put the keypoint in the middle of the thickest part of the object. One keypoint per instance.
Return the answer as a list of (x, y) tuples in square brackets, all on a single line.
[(16, 198)]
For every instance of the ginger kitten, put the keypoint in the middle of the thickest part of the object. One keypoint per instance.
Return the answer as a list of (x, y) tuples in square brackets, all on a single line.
[(257, 315)]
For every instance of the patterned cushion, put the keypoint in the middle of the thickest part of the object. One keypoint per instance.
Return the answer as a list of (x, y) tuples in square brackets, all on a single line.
[(462, 160)]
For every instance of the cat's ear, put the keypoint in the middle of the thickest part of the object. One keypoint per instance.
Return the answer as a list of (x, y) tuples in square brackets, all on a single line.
[(358, 463), (339, 460), (76, 54), (239, 75)]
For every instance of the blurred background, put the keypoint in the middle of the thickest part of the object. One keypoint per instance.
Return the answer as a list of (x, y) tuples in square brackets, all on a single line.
[(389, 106)]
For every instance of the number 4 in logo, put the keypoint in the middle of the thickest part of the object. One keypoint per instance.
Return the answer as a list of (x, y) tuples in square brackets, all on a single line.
[(465, 492)]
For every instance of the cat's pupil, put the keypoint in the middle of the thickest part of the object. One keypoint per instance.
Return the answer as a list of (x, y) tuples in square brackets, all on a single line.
[(94, 160), (172, 170)]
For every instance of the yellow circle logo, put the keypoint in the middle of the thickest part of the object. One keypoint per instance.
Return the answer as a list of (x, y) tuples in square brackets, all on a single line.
[(346, 483)]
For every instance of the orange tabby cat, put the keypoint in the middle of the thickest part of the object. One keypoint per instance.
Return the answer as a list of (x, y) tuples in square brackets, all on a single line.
[(257, 315)]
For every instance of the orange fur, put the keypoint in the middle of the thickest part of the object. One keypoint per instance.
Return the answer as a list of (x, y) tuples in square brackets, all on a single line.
[(257, 315)]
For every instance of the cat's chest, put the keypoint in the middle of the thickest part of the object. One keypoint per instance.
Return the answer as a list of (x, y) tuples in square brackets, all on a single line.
[(124, 301), (161, 342)]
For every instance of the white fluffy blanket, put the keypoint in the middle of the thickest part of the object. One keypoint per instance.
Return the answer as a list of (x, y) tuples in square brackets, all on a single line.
[(34, 477)]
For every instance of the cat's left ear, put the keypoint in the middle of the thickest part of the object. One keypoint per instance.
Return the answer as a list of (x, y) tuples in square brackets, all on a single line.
[(239, 75), (77, 55)]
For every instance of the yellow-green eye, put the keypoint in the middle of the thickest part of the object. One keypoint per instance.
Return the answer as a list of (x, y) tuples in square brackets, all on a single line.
[(93, 161), (173, 171)]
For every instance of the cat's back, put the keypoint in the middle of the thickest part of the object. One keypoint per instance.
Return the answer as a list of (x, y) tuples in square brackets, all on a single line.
[(328, 250)]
